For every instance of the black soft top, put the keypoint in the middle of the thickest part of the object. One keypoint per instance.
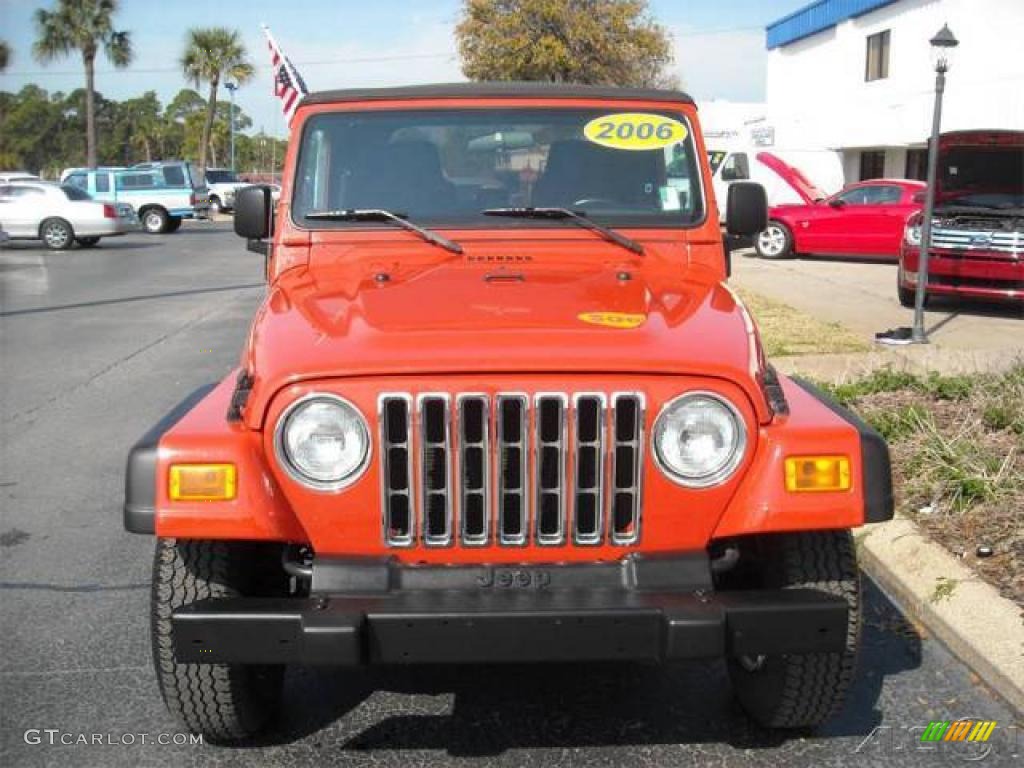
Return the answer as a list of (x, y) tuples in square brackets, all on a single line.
[(488, 90)]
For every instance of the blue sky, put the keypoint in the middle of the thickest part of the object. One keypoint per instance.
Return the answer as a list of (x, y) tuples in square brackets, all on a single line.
[(719, 45)]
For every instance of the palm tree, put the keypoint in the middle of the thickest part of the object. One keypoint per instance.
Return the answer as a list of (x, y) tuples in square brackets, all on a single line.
[(5, 55), (213, 54), (84, 26)]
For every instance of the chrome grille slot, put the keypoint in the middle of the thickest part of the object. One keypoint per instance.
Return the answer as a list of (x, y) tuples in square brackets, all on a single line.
[(512, 458), (435, 470), (549, 467), (627, 432), (474, 468), (396, 469), (588, 463)]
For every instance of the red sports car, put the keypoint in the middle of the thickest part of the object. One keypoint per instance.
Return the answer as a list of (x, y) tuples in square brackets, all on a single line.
[(863, 219)]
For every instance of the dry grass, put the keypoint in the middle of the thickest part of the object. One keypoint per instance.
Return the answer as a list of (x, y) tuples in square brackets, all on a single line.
[(957, 446), (787, 331)]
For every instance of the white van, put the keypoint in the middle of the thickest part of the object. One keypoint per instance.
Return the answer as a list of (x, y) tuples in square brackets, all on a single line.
[(787, 175)]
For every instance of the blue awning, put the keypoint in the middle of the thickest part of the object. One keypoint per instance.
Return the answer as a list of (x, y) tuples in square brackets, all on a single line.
[(816, 17)]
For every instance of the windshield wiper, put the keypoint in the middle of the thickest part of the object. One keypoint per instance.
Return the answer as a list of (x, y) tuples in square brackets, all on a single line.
[(379, 214), (565, 213)]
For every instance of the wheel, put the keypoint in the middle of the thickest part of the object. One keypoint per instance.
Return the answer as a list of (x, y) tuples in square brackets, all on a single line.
[(907, 296), (174, 224), (155, 220), (225, 702), (56, 234), (802, 690), (215, 206), (774, 242), (87, 242)]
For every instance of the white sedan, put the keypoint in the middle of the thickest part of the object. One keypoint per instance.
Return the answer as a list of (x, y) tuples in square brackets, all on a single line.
[(60, 215)]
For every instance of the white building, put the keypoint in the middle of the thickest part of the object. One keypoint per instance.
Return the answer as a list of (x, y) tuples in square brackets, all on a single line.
[(857, 76)]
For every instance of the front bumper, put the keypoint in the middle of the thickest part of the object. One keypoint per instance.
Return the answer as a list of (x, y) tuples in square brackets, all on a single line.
[(648, 609), (968, 274)]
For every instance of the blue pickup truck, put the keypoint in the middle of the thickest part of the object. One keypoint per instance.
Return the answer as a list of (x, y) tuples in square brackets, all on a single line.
[(162, 194)]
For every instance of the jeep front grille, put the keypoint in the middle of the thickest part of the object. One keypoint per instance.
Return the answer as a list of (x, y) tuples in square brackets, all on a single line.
[(512, 468)]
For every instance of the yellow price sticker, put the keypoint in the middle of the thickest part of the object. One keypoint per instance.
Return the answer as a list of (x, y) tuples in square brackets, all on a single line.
[(613, 319), (634, 131)]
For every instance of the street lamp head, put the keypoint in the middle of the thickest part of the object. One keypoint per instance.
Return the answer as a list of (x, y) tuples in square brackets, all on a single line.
[(942, 48), (234, 86)]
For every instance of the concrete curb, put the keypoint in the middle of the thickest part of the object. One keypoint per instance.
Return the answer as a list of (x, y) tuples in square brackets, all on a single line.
[(984, 629)]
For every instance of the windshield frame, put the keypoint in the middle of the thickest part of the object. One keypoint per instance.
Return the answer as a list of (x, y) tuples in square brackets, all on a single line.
[(481, 222)]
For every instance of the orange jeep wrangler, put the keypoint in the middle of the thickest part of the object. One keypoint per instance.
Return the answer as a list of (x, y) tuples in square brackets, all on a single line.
[(498, 405)]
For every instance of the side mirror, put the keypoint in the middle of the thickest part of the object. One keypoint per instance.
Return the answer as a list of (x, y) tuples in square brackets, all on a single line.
[(254, 210), (746, 209), (836, 202)]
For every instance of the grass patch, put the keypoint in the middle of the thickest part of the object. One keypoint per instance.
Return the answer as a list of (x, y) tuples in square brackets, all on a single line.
[(957, 446), (786, 331)]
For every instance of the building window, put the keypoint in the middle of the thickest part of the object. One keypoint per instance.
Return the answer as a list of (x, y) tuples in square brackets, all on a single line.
[(877, 65), (917, 164), (872, 164)]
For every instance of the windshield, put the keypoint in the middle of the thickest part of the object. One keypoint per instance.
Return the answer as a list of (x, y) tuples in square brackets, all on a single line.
[(74, 193), (220, 177), (447, 166), (715, 158), (982, 177)]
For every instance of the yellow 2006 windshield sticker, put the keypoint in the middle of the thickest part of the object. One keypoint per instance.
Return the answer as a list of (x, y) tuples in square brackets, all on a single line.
[(613, 319), (634, 130)]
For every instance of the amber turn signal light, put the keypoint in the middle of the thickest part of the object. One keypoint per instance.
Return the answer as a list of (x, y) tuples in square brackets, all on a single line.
[(817, 473), (203, 482)]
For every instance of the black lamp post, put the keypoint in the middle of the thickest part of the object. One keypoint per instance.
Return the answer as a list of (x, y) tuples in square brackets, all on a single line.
[(942, 45)]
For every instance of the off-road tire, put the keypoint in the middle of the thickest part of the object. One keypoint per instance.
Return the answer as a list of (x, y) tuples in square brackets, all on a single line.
[(804, 690), (154, 220), (774, 242), (87, 242), (227, 703)]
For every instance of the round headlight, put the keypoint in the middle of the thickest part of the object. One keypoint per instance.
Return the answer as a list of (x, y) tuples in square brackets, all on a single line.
[(323, 442), (699, 439)]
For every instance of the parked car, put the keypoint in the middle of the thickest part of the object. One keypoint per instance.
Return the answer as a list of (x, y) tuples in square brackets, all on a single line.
[(162, 194), (866, 219), (789, 176), (6, 177), (512, 416), (977, 237), (60, 215), (222, 185), (4, 237)]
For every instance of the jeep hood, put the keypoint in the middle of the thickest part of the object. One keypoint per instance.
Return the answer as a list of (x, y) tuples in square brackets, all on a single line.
[(454, 316)]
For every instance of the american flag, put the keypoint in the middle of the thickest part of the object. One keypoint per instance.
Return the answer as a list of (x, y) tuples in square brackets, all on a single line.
[(289, 86)]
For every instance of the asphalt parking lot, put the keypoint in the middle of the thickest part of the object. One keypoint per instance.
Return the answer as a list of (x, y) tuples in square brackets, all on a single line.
[(94, 347)]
